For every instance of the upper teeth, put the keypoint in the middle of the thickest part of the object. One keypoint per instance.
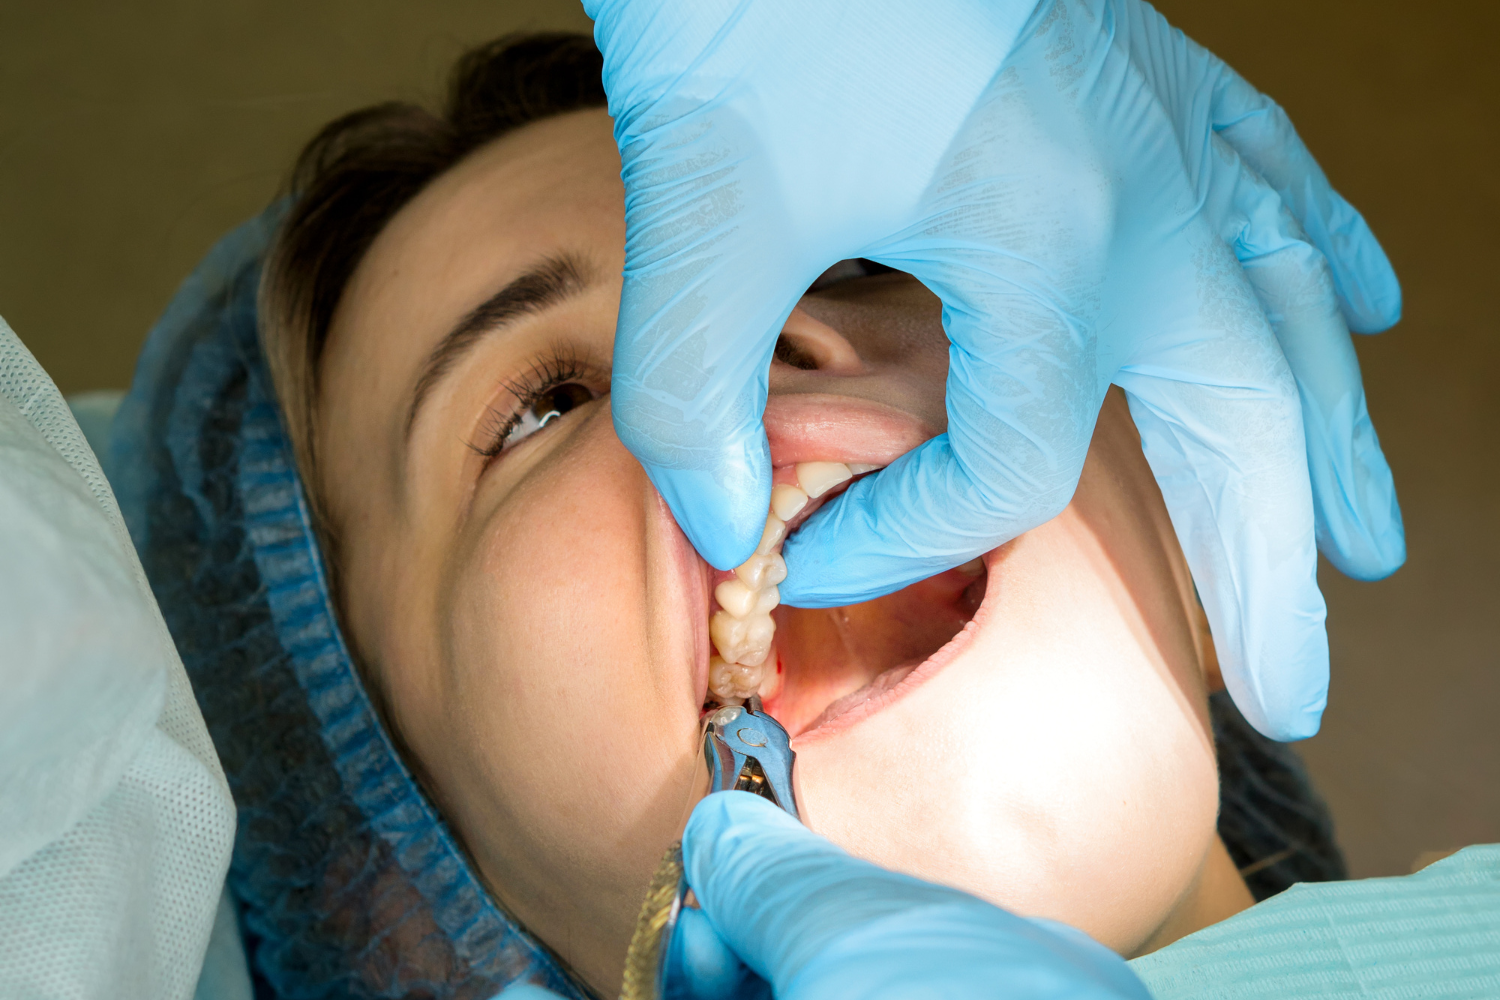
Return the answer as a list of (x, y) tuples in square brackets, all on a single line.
[(742, 602), (771, 538), (818, 478), (743, 630), (764, 569), (787, 501)]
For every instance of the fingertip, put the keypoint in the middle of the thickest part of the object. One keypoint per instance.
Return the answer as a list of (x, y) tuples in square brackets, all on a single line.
[(732, 842), (1372, 320), (724, 521), (1292, 665), (1371, 303), (525, 991), (825, 573), (707, 961), (716, 816), (1359, 526), (1376, 559), (1390, 553), (1302, 725), (1277, 713), (718, 541), (855, 550), (1365, 283), (1280, 722), (1364, 280), (814, 574)]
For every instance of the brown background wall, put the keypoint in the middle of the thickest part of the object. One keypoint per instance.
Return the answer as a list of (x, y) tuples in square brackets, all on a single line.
[(131, 136), (1400, 103)]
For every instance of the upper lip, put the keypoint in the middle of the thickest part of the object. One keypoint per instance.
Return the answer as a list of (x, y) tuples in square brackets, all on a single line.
[(807, 427), (822, 427)]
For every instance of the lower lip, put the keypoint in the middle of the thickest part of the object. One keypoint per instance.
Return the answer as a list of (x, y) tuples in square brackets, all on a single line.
[(896, 683)]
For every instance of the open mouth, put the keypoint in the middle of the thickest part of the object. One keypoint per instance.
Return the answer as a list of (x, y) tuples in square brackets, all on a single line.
[(834, 662), (828, 667)]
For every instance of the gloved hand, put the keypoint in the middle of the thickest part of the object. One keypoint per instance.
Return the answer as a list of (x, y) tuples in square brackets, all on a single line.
[(1096, 199), (814, 922)]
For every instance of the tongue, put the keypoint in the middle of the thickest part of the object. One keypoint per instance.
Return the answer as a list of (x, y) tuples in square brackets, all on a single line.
[(834, 659)]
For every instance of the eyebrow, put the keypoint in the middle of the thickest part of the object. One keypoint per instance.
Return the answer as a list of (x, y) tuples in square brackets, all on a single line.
[(550, 282)]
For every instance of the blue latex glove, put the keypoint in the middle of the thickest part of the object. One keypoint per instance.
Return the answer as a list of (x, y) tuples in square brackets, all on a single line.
[(814, 923), (1096, 199)]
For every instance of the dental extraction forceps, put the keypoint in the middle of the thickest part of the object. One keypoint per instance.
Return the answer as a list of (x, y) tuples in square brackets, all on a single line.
[(745, 750), (748, 751)]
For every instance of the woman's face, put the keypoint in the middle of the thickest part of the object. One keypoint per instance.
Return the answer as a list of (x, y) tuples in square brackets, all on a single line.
[(537, 623)]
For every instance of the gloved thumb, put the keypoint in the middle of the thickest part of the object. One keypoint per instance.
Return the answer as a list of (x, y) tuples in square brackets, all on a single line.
[(698, 322), (688, 391), (815, 922)]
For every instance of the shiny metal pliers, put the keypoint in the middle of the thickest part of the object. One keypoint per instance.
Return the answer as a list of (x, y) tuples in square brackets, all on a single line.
[(745, 750), (748, 751)]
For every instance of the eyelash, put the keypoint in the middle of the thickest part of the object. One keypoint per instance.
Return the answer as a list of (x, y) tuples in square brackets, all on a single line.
[(559, 369), (552, 372)]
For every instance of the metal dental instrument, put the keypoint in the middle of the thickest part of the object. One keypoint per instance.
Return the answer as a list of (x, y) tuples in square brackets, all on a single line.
[(748, 751), (745, 750)]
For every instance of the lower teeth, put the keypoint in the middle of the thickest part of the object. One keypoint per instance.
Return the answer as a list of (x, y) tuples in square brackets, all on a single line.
[(732, 683), (743, 630)]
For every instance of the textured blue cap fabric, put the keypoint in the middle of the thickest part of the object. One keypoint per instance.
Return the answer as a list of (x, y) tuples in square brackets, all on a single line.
[(350, 883)]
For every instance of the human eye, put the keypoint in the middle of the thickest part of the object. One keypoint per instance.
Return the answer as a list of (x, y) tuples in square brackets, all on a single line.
[(550, 391)]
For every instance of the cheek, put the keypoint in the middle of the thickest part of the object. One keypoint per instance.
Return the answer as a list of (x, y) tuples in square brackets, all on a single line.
[(1060, 765), (571, 766), (1056, 767)]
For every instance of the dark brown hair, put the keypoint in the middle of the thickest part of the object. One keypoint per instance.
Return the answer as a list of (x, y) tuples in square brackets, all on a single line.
[(361, 169)]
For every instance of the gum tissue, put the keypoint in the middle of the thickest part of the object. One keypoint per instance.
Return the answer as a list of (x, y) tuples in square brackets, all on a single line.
[(742, 630)]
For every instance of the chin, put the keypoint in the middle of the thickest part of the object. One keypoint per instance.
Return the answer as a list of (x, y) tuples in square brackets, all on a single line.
[(1030, 727)]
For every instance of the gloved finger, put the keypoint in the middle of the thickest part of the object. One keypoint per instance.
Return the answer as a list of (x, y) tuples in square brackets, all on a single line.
[(709, 964), (526, 991), (1231, 466), (698, 321), (689, 407), (815, 922), (1358, 521), (1365, 283), (1220, 422), (1022, 397)]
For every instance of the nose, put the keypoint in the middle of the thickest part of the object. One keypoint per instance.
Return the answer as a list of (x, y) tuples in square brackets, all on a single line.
[(877, 338), (811, 345)]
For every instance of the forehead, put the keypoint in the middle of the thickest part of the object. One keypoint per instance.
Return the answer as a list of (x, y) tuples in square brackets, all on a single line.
[(549, 186)]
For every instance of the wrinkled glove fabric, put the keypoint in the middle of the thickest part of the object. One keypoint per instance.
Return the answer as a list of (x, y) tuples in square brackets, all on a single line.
[(1096, 200), (815, 922)]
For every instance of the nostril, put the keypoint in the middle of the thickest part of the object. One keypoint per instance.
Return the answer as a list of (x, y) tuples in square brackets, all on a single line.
[(809, 344), (789, 352)]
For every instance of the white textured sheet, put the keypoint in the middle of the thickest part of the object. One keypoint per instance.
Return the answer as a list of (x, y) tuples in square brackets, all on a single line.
[(115, 820)]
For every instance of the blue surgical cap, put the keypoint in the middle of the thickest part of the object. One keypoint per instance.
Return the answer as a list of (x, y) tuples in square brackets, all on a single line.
[(349, 881)]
